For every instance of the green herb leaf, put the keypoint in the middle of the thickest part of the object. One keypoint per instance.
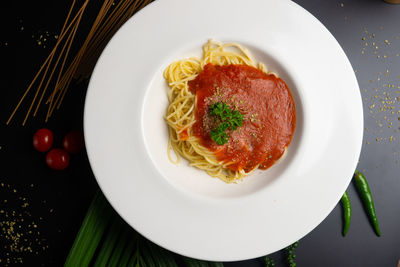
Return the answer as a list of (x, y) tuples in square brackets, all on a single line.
[(228, 120)]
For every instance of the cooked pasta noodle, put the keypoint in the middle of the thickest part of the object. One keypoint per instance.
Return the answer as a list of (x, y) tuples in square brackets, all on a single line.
[(180, 114)]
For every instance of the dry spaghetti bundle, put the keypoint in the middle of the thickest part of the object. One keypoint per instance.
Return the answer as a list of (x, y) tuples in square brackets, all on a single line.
[(54, 77)]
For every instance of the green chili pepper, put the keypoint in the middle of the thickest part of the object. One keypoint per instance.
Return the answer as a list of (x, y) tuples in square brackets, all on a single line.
[(366, 196), (346, 212)]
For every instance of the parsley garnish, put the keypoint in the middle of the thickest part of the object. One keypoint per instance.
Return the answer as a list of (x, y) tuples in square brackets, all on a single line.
[(228, 120)]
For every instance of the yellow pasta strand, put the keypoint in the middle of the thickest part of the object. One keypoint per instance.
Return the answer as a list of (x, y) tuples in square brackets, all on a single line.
[(180, 113)]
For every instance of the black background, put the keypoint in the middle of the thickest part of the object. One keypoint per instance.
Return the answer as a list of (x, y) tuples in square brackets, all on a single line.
[(52, 204)]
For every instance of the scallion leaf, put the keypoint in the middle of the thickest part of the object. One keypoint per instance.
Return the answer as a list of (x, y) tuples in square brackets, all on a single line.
[(190, 262), (127, 254), (109, 243), (120, 246), (90, 233)]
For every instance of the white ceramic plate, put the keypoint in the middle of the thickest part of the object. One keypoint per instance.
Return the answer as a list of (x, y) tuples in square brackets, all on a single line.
[(182, 208)]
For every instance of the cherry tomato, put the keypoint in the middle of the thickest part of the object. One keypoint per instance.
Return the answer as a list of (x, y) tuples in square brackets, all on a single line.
[(43, 140), (57, 159), (73, 142)]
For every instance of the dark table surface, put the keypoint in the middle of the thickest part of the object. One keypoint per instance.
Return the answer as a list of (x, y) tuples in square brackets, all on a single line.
[(41, 209)]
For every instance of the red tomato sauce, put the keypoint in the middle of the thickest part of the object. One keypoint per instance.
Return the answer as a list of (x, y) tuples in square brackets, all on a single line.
[(266, 104)]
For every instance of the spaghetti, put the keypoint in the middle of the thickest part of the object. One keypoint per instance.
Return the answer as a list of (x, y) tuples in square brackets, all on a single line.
[(110, 17), (227, 74)]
